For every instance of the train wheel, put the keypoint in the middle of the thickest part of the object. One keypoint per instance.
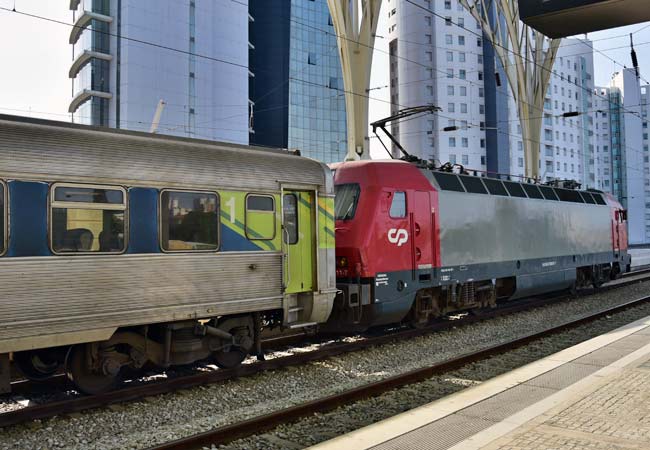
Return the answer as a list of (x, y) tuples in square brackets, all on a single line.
[(88, 378), (36, 365), (233, 355)]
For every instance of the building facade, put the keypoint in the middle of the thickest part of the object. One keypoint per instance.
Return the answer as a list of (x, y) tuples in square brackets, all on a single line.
[(621, 149), (645, 109), (297, 90), (128, 55), (567, 140), (438, 61)]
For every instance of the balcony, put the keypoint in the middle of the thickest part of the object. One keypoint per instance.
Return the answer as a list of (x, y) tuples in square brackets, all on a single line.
[(83, 21), (84, 58), (85, 95)]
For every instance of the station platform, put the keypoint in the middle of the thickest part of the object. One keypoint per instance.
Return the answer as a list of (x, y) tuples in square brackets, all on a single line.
[(595, 395)]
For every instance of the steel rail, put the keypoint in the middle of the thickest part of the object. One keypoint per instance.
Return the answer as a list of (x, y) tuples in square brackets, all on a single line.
[(256, 425), (132, 393)]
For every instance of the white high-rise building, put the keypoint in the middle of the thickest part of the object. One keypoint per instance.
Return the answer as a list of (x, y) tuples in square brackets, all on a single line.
[(627, 150), (566, 147), (645, 109), (621, 141), (191, 54), (436, 61), (602, 139)]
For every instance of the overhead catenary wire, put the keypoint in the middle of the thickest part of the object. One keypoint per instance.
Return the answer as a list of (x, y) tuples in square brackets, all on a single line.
[(168, 48), (454, 76), (447, 20), (36, 16), (245, 66), (127, 38)]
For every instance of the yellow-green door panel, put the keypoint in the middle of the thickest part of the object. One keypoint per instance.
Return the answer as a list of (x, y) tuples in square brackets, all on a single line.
[(299, 241)]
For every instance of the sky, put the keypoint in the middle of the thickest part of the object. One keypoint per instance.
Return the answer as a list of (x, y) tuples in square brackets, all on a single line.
[(36, 56)]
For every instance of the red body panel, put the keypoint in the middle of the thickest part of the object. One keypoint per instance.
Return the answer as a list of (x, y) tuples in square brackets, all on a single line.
[(373, 241), (619, 225)]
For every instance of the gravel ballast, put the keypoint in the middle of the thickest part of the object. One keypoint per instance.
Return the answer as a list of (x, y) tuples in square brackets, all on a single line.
[(159, 419), (322, 427)]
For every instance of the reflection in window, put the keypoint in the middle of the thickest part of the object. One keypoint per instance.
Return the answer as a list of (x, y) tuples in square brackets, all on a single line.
[(189, 221), (260, 217), (290, 213), (88, 219), (259, 203), (345, 201), (398, 205)]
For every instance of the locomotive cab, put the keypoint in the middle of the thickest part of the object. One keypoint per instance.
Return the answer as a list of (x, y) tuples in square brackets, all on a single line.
[(384, 241)]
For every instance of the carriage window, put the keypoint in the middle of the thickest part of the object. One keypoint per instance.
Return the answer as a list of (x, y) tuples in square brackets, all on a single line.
[(260, 217), (189, 221), (87, 219), (398, 205), (290, 212), (3, 217)]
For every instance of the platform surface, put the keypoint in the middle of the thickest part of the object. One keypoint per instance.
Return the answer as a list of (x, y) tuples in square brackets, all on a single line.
[(595, 395)]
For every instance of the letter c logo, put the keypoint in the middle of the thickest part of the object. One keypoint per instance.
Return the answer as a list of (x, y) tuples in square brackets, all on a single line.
[(398, 236)]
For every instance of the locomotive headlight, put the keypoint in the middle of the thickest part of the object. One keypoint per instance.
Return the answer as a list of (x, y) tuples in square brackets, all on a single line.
[(341, 262)]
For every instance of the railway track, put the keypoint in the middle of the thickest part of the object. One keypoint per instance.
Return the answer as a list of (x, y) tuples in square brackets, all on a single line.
[(257, 425), (132, 393)]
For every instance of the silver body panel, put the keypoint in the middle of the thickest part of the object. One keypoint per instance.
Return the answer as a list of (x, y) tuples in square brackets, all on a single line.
[(50, 151), (59, 300), (479, 229)]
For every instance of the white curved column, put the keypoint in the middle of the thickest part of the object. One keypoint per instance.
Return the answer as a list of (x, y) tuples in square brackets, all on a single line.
[(356, 38)]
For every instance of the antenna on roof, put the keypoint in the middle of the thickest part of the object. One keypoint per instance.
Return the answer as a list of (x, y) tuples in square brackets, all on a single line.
[(635, 61), (156, 116)]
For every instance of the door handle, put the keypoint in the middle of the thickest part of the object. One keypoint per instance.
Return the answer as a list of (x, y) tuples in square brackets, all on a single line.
[(285, 233)]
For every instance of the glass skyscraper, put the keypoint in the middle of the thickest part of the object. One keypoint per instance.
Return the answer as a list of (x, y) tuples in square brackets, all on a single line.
[(297, 84), (129, 55)]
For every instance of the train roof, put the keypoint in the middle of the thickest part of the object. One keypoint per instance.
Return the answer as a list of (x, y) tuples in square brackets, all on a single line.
[(53, 150), (472, 184)]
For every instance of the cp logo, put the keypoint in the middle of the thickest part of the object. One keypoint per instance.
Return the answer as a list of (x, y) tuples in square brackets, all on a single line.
[(398, 236)]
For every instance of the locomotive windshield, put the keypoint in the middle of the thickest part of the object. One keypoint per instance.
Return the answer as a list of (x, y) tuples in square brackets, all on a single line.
[(345, 202)]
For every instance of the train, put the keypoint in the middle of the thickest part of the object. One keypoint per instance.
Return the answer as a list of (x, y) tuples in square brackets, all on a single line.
[(122, 250), (128, 250), (414, 242)]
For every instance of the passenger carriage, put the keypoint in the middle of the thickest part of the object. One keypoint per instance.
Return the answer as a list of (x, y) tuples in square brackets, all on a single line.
[(124, 249)]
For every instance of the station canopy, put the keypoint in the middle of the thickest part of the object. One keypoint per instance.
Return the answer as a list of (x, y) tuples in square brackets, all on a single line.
[(562, 18)]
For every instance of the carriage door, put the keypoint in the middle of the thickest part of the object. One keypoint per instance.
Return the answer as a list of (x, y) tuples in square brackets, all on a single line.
[(422, 236), (298, 240)]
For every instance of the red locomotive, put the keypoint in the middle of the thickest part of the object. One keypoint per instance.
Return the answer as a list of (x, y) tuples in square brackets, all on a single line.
[(413, 243)]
